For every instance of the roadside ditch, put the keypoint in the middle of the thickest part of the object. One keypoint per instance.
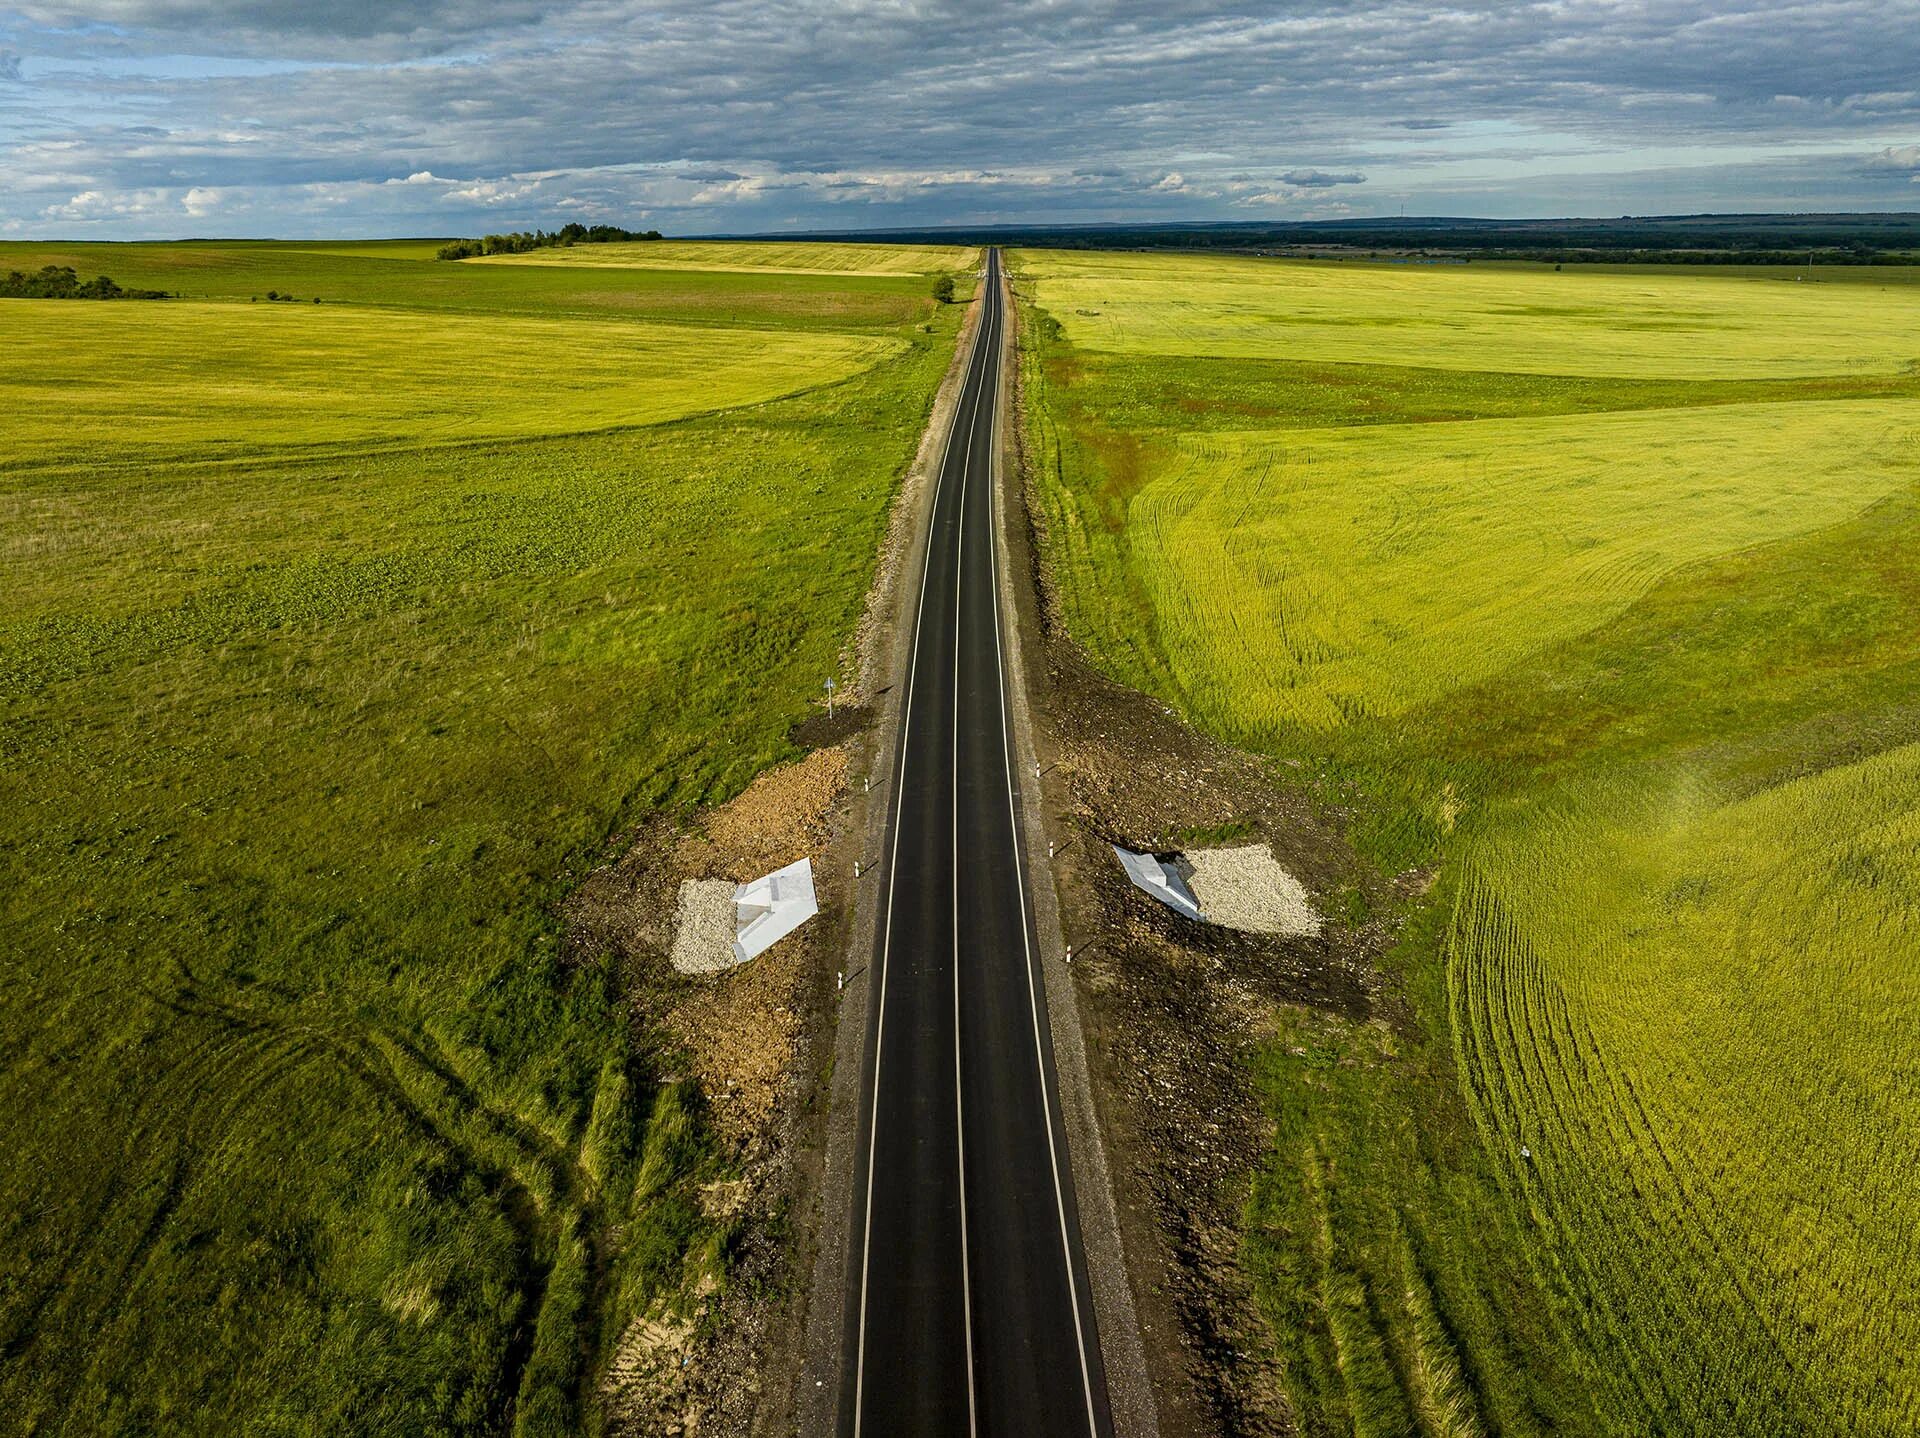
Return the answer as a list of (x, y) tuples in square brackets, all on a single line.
[(1172, 1011)]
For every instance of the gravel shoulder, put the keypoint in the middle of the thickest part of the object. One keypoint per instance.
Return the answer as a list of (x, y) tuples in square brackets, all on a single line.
[(763, 1039), (879, 660)]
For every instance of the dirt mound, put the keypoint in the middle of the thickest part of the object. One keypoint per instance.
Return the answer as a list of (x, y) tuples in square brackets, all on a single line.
[(741, 1027), (780, 817), (666, 906)]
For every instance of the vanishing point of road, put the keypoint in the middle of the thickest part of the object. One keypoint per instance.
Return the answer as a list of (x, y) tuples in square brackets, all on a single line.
[(968, 1307)]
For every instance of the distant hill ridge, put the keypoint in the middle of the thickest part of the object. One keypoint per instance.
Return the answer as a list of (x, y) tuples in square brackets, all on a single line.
[(1847, 238)]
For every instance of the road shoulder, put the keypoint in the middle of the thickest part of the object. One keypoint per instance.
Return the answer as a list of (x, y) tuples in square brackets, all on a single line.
[(884, 644), (1129, 1386)]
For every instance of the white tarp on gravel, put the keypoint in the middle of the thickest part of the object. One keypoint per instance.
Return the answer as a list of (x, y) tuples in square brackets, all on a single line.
[(770, 908), (1160, 880)]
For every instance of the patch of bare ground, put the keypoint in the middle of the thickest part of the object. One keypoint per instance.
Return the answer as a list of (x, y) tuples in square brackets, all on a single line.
[(833, 727), (1173, 1009), (748, 1036)]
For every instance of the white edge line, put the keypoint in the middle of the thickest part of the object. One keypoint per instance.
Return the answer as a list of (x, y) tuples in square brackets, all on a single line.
[(886, 942), (959, 1112), (1033, 999)]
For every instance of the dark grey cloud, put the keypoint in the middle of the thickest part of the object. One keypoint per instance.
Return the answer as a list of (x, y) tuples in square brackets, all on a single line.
[(730, 114), (360, 28), (9, 65), (1319, 179)]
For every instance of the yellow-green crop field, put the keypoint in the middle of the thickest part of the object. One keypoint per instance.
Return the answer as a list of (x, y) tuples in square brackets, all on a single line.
[(336, 642), (1531, 321), (798, 258), (1337, 574), (1593, 594), (1696, 1013), (194, 373)]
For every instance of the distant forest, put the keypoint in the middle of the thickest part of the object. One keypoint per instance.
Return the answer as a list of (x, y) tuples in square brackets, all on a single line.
[(1838, 239), (59, 282), (521, 241)]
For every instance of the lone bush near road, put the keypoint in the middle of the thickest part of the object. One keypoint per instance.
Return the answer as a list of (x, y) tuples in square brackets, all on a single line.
[(943, 289)]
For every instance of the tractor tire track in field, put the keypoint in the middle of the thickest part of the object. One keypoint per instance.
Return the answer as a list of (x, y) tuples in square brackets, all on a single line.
[(246, 1051), (200, 1083), (517, 1203)]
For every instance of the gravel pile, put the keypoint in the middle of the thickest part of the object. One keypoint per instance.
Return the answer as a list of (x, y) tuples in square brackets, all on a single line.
[(1247, 889), (703, 931)]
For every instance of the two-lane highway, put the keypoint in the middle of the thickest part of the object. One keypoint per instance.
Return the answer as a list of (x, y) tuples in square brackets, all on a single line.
[(968, 1309)]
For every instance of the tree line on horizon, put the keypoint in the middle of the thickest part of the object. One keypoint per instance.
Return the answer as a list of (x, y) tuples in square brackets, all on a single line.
[(61, 282), (521, 241)]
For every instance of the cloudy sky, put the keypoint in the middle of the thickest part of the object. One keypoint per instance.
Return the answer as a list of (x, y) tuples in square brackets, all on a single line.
[(131, 118)]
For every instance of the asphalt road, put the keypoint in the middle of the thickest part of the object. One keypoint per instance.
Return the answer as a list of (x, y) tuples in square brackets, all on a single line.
[(968, 1309)]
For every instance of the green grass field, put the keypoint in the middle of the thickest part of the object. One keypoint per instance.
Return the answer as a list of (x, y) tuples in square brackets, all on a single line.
[(1594, 594), (403, 275), (336, 640)]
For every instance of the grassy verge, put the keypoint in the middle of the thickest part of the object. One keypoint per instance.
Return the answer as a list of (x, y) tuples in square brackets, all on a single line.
[(313, 1130)]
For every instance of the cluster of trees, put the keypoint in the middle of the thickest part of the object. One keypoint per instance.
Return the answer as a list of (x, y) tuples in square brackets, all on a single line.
[(59, 282), (521, 241)]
